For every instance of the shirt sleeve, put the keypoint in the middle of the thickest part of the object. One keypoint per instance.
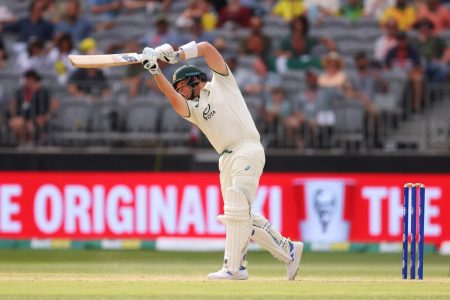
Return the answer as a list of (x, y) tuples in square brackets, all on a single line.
[(191, 106), (225, 81)]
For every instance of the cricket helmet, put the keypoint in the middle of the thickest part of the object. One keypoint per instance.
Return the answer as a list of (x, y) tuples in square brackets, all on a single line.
[(187, 72)]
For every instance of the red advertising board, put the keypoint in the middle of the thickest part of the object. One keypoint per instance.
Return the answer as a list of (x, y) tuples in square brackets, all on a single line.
[(311, 207)]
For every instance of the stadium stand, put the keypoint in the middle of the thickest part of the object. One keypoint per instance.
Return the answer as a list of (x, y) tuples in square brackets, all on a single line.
[(406, 107)]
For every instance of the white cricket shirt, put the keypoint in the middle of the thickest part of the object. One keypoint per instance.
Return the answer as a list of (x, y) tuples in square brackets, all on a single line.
[(222, 114)]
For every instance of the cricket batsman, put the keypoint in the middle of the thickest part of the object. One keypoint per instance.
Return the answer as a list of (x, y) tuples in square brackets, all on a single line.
[(219, 110)]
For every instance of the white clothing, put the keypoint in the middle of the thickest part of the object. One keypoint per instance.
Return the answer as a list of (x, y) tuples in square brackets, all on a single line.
[(221, 113), (382, 46), (332, 5), (25, 62), (376, 8), (241, 166)]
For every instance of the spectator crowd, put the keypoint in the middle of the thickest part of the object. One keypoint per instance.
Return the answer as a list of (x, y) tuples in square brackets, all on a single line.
[(299, 63)]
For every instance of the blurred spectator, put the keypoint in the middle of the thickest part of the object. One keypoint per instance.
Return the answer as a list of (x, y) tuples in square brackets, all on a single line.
[(387, 41), (55, 10), (436, 13), (58, 57), (288, 9), (334, 75), (235, 14), (308, 98), (296, 54), (34, 58), (150, 6), (300, 26), (88, 46), (218, 4), (364, 82), (333, 86), (240, 74), (198, 9), (296, 49), (162, 35), (256, 80), (376, 8), (3, 53), (302, 119), (404, 58), (90, 83), (256, 43), (32, 26), (276, 109), (432, 50), (308, 104), (402, 12), (6, 15), (352, 10), (78, 27), (31, 109), (258, 7), (196, 33), (318, 10), (106, 11)]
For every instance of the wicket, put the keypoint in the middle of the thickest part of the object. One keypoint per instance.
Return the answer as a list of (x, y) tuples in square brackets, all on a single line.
[(413, 215)]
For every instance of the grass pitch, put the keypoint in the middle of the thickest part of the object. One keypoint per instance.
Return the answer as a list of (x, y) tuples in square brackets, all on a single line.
[(71, 274)]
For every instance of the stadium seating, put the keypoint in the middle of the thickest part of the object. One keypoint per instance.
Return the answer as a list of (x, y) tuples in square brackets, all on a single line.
[(120, 118)]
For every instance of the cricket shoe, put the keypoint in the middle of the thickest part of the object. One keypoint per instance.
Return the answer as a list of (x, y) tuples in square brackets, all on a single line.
[(296, 254), (224, 274)]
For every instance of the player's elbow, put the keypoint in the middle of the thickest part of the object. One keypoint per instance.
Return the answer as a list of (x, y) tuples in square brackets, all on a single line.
[(204, 47)]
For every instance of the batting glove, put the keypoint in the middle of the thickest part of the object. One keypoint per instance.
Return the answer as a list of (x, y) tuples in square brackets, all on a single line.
[(167, 54), (149, 60)]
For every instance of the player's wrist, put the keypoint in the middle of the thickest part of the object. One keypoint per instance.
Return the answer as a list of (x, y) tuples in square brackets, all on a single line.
[(181, 54), (189, 50), (155, 71)]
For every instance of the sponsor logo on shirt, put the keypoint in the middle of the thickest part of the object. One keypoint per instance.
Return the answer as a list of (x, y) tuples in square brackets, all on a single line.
[(207, 113)]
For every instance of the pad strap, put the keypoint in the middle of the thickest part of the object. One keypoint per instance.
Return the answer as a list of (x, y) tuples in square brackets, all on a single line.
[(265, 235)]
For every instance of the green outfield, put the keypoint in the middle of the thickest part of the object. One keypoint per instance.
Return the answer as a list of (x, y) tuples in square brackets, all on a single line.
[(100, 274)]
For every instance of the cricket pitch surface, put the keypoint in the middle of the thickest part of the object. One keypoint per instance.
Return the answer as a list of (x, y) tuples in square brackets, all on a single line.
[(139, 274)]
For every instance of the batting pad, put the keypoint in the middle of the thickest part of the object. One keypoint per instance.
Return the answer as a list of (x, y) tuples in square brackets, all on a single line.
[(270, 239), (238, 227)]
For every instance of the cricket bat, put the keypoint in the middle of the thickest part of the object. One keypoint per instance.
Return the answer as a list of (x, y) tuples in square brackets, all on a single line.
[(104, 60)]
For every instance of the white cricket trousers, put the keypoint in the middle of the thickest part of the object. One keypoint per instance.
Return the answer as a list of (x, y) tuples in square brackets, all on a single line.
[(241, 167)]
